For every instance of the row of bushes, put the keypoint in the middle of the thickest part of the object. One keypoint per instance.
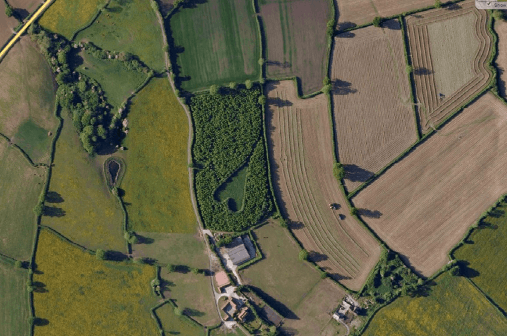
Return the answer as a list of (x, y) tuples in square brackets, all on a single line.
[(127, 60), (228, 133), (80, 95)]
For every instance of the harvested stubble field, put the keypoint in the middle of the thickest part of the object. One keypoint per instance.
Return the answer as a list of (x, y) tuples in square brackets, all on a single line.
[(297, 40), (217, 42), (76, 294), (449, 50), (27, 100), (157, 191), (425, 203), (281, 254), (173, 324), (65, 17), (484, 255), (24, 7), (7, 25), (302, 161), (79, 204), (373, 112), (501, 59), (453, 307), (315, 311), (131, 26), (357, 12), (21, 185), (14, 305)]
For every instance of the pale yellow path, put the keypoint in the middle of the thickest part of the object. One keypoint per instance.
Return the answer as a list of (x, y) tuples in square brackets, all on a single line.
[(25, 27)]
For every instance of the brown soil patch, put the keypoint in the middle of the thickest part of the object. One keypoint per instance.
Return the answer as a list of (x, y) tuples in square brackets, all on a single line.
[(302, 161), (449, 62), (425, 203), (501, 60), (357, 12), (297, 40), (7, 25), (373, 113), (24, 7)]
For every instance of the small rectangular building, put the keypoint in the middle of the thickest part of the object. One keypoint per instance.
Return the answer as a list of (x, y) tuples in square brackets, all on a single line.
[(238, 252)]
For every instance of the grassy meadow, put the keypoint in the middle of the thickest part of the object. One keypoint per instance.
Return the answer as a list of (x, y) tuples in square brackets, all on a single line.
[(454, 307), (20, 185), (234, 189), (81, 206), (65, 17), (79, 295), (117, 82), (172, 248), (223, 331), (219, 41), (27, 100), (156, 184), (486, 256), (14, 307), (192, 293), (130, 26), (281, 254), (173, 324)]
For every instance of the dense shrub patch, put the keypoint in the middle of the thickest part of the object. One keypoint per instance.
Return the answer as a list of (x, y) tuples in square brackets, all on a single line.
[(228, 131)]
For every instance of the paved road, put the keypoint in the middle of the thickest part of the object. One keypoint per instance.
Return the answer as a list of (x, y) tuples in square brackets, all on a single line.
[(25, 27)]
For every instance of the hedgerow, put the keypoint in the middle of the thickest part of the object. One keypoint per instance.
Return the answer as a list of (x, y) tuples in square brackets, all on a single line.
[(228, 134)]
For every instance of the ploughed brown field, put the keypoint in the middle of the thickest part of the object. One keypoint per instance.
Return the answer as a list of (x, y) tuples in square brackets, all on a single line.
[(423, 205), (449, 50), (374, 117), (296, 40), (301, 153), (7, 25), (25, 7), (358, 12), (501, 59)]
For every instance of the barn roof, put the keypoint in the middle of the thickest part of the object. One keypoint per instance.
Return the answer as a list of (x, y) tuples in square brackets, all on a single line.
[(238, 253)]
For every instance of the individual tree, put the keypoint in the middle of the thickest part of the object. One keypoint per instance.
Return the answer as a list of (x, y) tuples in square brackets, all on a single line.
[(178, 311), (438, 4), (171, 268), (248, 84), (213, 89), (338, 171), (327, 88), (139, 261), (195, 270), (262, 100), (353, 211), (100, 254), (455, 271), (8, 10), (18, 264), (261, 61), (323, 275), (326, 81), (409, 69), (330, 27), (377, 21), (303, 255), (233, 85), (38, 210)]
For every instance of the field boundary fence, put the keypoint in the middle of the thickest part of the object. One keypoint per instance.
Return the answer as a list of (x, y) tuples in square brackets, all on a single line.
[(92, 20)]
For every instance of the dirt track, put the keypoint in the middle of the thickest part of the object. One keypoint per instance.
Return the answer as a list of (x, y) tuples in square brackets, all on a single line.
[(424, 204), (374, 118), (302, 164)]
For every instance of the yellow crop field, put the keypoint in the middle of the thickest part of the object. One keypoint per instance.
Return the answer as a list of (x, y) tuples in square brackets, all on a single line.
[(79, 295), (454, 307), (156, 185), (65, 17)]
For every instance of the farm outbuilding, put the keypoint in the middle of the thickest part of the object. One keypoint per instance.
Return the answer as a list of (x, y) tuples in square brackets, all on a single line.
[(238, 252)]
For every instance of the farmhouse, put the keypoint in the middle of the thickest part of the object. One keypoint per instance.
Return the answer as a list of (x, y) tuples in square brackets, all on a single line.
[(238, 252), (222, 280), (229, 307)]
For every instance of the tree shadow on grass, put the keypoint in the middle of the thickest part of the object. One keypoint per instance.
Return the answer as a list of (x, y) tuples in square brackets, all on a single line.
[(193, 312), (40, 322), (296, 225), (342, 88), (369, 213), (424, 290), (453, 6), (39, 287), (317, 257), (116, 256), (51, 211), (279, 306), (54, 197), (355, 173), (144, 240), (466, 271), (391, 24)]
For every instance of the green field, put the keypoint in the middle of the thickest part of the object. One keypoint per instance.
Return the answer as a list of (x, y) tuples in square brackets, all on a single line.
[(223, 331), (217, 42), (14, 308), (280, 254), (76, 294), (27, 100), (20, 185), (117, 81), (81, 206), (177, 325), (454, 307), (192, 293), (65, 17), (157, 190), (172, 248), (486, 256), (234, 189), (228, 134), (130, 26)]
